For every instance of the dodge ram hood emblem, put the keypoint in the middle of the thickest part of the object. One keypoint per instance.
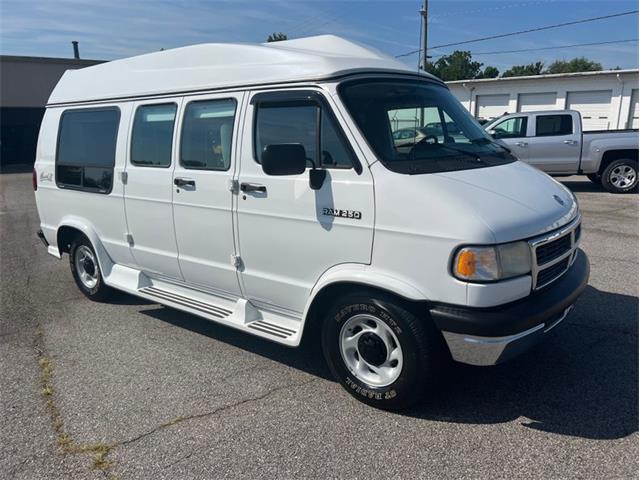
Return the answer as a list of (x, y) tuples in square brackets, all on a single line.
[(558, 199)]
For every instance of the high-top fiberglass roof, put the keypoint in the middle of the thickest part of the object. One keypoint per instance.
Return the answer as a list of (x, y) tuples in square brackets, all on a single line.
[(220, 65)]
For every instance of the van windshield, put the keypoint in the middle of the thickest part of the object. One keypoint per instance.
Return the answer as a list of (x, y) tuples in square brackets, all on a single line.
[(419, 127)]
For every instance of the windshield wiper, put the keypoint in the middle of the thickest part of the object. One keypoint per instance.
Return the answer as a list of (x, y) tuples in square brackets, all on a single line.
[(463, 152), (470, 155)]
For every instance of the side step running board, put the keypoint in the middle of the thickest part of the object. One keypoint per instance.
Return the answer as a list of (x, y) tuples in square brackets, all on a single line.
[(203, 307), (272, 329), (240, 314)]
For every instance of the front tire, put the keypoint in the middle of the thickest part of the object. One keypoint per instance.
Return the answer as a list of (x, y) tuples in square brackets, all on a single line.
[(380, 351), (621, 176), (86, 270)]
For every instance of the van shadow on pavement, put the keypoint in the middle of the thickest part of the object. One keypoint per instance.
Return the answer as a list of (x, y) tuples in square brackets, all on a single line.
[(582, 381)]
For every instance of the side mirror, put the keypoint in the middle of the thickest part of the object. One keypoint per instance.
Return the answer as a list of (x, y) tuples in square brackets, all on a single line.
[(316, 178), (492, 132), (284, 159)]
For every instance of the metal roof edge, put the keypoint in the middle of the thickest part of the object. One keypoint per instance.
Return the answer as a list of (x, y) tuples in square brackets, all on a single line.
[(547, 75), (55, 60)]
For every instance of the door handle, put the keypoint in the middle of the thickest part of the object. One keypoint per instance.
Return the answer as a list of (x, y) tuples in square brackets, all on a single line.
[(253, 187), (570, 142), (184, 182), (522, 144)]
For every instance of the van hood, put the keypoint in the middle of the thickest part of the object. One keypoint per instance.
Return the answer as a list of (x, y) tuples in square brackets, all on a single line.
[(514, 200)]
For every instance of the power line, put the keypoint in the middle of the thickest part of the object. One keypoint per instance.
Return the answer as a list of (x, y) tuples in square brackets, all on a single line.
[(491, 9), (520, 32), (557, 47), (575, 22), (309, 24)]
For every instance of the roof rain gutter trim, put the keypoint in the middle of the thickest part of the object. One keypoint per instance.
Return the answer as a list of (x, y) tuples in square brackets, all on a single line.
[(334, 76)]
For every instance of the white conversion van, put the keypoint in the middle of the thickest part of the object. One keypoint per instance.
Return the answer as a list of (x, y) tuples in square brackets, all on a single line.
[(312, 182)]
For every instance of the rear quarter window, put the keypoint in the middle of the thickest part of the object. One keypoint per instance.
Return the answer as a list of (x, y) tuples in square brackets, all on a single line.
[(549, 125), (86, 150)]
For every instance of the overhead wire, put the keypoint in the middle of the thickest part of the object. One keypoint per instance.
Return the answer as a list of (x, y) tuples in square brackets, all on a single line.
[(555, 47), (520, 32)]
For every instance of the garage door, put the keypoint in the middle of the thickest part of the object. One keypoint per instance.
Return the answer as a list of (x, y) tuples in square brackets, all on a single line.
[(595, 107), (491, 106), (530, 102), (633, 111)]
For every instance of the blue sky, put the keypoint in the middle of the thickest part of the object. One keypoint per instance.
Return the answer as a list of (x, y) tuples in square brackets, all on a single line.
[(118, 28)]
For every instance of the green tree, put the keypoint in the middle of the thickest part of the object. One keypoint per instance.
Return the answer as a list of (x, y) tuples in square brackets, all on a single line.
[(524, 70), (276, 37), (580, 64), (459, 66), (489, 72)]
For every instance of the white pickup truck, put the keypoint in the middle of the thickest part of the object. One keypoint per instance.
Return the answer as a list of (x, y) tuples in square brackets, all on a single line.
[(554, 142)]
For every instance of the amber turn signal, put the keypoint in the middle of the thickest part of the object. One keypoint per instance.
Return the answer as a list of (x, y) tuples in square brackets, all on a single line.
[(466, 265)]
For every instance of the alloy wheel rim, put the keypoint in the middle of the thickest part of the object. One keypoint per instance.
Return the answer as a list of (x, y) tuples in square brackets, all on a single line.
[(623, 176), (370, 350), (86, 266)]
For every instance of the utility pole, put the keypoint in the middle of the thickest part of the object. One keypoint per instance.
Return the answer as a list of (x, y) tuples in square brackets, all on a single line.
[(424, 13), (423, 38)]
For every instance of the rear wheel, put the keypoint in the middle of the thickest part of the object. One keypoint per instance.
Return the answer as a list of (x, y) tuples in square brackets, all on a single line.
[(381, 352), (86, 270), (621, 176)]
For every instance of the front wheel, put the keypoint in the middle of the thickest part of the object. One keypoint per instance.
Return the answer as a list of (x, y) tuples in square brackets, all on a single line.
[(621, 176), (86, 270), (381, 352)]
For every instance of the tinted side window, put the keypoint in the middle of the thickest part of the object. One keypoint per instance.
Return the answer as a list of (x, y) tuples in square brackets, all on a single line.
[(276, 124), (287, 124), (335, 153), (547, 125), (152, 135), (87, 149), (207, 133), (511, 128)]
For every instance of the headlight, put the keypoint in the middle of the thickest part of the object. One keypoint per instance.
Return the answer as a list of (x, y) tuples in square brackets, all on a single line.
[(492, 262)]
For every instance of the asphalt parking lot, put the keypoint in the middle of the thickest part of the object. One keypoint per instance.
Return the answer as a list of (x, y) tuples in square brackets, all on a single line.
[(132, 389)]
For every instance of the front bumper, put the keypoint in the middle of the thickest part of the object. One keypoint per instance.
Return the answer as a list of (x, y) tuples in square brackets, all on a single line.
[(486, 336)]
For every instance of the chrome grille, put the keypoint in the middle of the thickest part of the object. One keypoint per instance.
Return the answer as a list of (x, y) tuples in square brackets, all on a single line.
[(550, 273), (552, 250), (553, 253)]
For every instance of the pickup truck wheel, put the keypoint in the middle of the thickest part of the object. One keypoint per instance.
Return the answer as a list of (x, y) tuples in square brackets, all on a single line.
[(86, 270), (621, 176), (380, 352), (595, 178)]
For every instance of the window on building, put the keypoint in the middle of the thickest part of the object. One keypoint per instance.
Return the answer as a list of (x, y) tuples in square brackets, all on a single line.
[(152, 135), (298, 123), (207, 132), (512, 128), (87, 149), (548, 125)]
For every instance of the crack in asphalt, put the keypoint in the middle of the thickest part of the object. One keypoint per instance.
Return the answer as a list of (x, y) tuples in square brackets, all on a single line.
[(41, 352), (249, 400), (213, 412)]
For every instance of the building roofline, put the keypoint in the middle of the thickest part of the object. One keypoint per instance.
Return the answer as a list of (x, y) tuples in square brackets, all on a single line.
[(546, 75), (55, 60)]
